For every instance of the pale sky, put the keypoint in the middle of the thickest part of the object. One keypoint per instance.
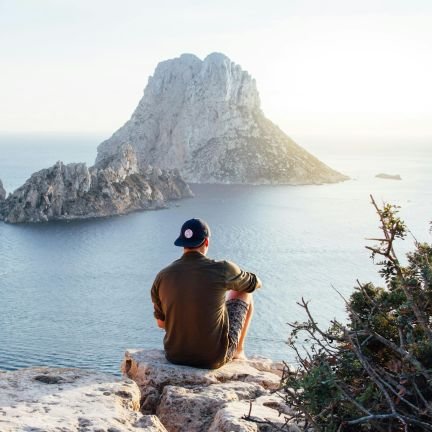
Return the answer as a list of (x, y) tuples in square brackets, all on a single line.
[(322, 67)]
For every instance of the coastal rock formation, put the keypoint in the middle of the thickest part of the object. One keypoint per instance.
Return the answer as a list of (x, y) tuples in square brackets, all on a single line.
[(389, 176), (73, 400), (204, 118), (115, 185), (2, 191), (195, 400)]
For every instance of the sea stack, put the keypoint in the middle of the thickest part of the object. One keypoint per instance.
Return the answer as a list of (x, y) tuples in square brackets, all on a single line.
[(114, 186), (204, 118)]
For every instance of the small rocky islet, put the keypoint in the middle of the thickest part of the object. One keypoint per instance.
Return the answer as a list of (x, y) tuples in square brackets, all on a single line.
[(199, 121), (386, 176)]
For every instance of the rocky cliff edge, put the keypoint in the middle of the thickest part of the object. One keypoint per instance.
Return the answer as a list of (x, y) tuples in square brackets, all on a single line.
[(153, 396)]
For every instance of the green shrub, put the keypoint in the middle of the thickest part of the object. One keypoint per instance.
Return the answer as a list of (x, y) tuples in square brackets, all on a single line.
[(373, 373)]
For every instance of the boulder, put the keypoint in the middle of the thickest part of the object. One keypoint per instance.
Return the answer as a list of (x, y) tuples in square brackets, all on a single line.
[(193, 400), (152, 372), (70, 400)]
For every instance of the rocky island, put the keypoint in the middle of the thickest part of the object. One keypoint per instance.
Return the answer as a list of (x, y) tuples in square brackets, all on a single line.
[(115, 185), (199, 121), (204, 118)]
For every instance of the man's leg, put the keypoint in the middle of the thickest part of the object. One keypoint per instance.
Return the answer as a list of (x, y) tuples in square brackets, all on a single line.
[(247, 298)]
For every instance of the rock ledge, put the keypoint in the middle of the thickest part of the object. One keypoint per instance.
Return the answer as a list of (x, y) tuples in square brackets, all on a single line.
[(70, 400), (170, 397), (196, 400)]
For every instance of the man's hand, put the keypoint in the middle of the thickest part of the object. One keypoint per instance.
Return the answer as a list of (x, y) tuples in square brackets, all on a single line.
[(160, 324)]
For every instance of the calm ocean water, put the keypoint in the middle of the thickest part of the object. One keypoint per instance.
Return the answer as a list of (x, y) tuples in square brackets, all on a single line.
[(77, 294)]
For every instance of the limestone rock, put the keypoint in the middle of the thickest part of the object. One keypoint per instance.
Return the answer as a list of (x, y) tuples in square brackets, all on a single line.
[(267, 365), (194, 400), (115, 185), (152, 372), (70, 400), (204, 118), (274, 401), (192, 409), (231, 418), (2, 191)]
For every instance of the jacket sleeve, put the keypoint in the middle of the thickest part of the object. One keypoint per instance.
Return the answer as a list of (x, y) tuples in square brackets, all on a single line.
[(158, 312), (239, 280)]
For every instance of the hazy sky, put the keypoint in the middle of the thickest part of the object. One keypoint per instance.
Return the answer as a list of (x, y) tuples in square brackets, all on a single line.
[(322, 67)]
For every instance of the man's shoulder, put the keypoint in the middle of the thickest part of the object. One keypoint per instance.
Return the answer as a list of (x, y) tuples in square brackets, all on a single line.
[(231, 267), (181, 263), (225, 266), (170, 267)]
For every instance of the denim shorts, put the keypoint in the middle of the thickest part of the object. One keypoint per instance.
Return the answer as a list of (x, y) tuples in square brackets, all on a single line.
[(237, 310)]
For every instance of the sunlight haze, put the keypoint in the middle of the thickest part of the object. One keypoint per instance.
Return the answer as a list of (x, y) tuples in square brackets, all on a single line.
[(322, 68)]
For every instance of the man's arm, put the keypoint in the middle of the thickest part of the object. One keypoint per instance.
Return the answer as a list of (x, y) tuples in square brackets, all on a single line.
[(157, 306), (240, 280)]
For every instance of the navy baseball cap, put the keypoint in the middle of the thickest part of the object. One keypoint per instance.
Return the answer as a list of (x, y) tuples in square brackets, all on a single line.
[(193, 233)]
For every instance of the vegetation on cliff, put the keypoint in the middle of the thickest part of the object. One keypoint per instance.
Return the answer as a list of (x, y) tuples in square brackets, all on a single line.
[(373, 373)]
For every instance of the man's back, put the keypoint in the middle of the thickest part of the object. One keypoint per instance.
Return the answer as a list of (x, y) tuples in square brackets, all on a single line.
[(189, 296)]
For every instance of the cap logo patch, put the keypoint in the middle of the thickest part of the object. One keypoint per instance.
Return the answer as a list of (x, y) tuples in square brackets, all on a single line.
[(188, 233)]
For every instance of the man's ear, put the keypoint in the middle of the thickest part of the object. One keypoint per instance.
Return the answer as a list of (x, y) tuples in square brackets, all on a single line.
[(206, 241)]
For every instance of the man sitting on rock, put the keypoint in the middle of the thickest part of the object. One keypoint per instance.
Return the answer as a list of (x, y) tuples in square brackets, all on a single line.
[(205, 306)]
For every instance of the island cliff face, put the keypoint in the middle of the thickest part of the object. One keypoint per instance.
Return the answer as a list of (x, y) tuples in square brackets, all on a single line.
[(2, 192), (204, 118), (115, 185)]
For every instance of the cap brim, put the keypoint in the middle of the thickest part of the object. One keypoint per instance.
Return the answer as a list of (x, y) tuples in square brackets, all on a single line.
[(188, 243)]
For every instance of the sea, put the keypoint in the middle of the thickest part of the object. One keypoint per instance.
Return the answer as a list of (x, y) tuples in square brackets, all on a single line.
[(78, 293)]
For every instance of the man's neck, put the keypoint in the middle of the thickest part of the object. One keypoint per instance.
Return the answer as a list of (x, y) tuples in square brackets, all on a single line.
[(201, 251)]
